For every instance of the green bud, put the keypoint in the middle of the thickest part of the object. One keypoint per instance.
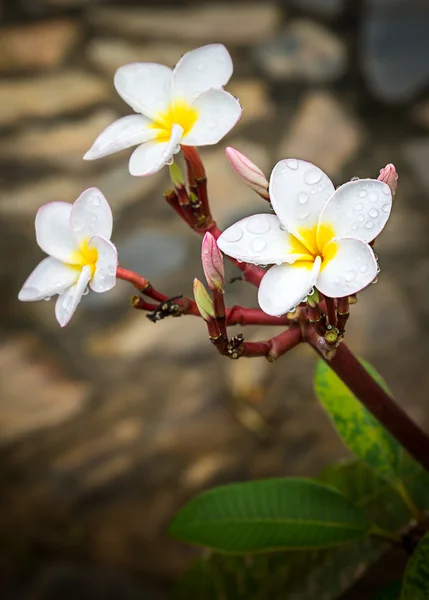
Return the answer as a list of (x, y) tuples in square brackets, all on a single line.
[(176, 175), (204, 301)]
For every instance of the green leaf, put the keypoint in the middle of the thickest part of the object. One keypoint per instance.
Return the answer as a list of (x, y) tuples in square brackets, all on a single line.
[(416, 579), (272, 514), (391, 591), (359, 430)]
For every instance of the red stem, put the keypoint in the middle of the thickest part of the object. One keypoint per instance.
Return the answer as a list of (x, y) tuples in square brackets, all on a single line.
[(238, 315), (377, 401), (274, 347), (331, 311)]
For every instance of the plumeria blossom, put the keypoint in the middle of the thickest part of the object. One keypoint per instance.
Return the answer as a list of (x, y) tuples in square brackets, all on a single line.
[(76, 238), (182, 106), (319, 236)]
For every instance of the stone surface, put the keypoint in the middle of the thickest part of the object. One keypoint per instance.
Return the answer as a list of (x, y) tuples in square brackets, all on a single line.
[(108, 54), (304, 51), (230, 198), (42, 45), (322, 132), (57, 144), (324, 8), (395, 48), (49, 95), (121, 189), (239, 23), (24, 367), (254, 98)]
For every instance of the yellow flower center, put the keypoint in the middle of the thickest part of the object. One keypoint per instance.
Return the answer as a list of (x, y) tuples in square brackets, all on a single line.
[(309, 243), (85, 257), (180, 113)]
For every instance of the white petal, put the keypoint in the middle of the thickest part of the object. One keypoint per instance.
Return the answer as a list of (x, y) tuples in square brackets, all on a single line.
[(146, 87), (152, 156), (91, 215), (123, 133), (352, 268), (54, 233), (209, 67), (283, 287), (298, 192), (50, 277), (104, 278), (258, 239), (358, 209), (218, 112), (67, 303)]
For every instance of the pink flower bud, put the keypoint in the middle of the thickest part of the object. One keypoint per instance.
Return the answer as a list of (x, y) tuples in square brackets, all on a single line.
[(251, 174), (203, 300), (389, 175), (212, 260)]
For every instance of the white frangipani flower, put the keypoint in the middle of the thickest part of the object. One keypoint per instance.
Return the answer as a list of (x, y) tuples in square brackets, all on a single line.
[(185, 105), (318, 238), (76, 238)]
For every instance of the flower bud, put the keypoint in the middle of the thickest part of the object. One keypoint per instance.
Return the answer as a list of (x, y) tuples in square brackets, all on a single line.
[(176, 175), (212, 260), (389, 175), (203, 300), (251, 174)]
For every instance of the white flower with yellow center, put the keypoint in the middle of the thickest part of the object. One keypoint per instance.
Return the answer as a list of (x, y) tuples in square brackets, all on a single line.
[(185, 106), (76, 238), (319, 237)]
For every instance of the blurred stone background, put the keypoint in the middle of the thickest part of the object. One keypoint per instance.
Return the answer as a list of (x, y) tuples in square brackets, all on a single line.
[(108, 426)]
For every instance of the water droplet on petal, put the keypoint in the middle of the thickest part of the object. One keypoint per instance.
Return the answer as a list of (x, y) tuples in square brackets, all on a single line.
[(312, 176), (337, 280), (258, 224), (374, 280), (47, 298), (363, 268), (170, 161), (233, 234), (369, 224), (292, 163), (373, 197), (363, 193), (386, 208), (355, 179), (302, 197), (373, 213), (359, 206), (85, 291), (258, 244), (282, 227), (361, 218), (350, 275), (303, 215), (355, 226)]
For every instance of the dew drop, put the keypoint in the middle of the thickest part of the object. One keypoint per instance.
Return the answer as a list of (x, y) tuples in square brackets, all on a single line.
[(350, 275), (303, 215), (239, 260), (354, 179), (258, 244), (374, 280), (78, 224), (363, 193), (233, 234), (292, 163), (170, 161), (337, 280), (302, 197), (85, 291), (369, 224), (363, 268), (312, 176), (312, 191), (176, 149), (263, 266), (373, 197), (373, 213), (282, 227), (386, 208), (355, 226), (386, 190), (47, 298), (359, 206), (378, 270), (258, 225)]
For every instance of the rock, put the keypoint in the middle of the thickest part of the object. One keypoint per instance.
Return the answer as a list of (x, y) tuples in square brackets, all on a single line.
[(322, 132), (254, 98), (57, 144), (228, 23), (395, 48), (35, 394), (50, 95), (40, 45), (305, 51), (120, 188), (108, 54), (324, 8), (417, 153), (230, 198)]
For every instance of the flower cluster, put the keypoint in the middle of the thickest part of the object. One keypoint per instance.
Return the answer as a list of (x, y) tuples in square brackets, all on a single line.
[(318, 237)]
